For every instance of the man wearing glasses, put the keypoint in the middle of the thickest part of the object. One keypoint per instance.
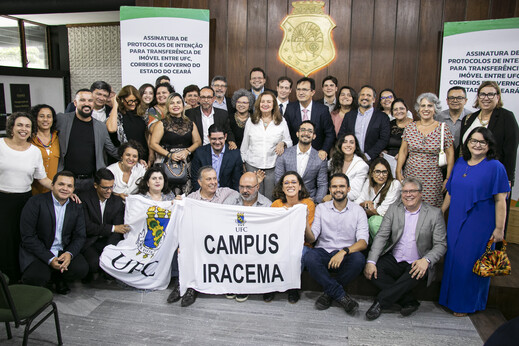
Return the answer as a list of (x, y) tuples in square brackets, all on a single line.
[(410, 241), (318, 113), (453, 117), (219, 85), (305, 160), (104, 219)]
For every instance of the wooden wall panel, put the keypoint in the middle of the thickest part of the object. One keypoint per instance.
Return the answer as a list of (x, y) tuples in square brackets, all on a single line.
[(387, 43), (384, 44), (322, 73)]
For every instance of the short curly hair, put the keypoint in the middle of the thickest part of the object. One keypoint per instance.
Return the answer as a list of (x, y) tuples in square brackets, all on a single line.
[(9, 126), (432, 98), (240, 93)]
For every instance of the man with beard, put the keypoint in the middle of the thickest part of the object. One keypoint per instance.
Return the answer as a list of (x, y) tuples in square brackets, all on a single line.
[(284, 89), (257, 81), (219, 85), (305, 160), (340, 230), (102, 93), (82, 140), (371, 126)]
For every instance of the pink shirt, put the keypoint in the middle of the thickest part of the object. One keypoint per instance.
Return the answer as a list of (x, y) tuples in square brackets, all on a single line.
[(405, 249)]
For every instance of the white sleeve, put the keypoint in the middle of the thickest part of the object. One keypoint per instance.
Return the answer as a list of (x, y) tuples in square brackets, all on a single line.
[(244, 149), (39, 169), (286, 134), (357, 181), (392, 195), (364, 193)]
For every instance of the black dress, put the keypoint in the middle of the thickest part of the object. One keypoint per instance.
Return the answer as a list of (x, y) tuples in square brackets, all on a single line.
[(395, 138), (237, 129)]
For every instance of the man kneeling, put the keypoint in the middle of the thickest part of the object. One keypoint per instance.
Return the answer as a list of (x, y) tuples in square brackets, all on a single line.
[(341, 230), (409, 242)]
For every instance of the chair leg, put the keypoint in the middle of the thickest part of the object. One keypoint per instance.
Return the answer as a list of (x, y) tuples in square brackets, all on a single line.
[(56, 320), (26, 332), (8, 329)]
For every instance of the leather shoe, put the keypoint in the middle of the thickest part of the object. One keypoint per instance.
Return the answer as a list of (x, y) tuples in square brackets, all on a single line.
[(189, 297), (268, 297), (374, 311), (293, 296), (62, 288), (408, 309), (349, 305), (174, 296), (323, 302)]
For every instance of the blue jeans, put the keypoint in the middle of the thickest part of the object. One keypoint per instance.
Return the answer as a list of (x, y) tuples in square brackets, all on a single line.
[(316, 261)]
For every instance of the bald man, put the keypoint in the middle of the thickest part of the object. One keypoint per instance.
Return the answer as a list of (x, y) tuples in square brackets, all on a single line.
[(249, 193)]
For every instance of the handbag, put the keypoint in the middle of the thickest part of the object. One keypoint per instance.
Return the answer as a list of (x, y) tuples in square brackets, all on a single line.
[(493, 262), (176, 171), (442, 157)]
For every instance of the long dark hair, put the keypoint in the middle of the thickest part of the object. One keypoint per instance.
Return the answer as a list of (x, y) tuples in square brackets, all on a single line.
[(142, 183), (354, 96), (491, 143), (379, 106), (389, 181), (338, 155), (36, 109), (278, 189)]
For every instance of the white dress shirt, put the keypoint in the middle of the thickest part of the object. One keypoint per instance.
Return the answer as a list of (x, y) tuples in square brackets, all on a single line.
[(207, 120), (302, 160)]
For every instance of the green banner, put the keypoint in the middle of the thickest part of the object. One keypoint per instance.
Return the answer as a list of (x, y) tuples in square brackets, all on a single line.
[(135, 12), (455, 28)]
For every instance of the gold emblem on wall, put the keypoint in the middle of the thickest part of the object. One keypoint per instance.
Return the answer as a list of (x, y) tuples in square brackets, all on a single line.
[(307, 45)]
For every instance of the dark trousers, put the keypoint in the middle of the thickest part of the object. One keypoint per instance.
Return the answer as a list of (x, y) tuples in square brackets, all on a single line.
[(39, 273), (92, 252), (394, 281), (83, 185), (316, 261)]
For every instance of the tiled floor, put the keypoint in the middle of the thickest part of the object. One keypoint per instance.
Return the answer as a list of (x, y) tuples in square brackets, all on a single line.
[(113, 315)]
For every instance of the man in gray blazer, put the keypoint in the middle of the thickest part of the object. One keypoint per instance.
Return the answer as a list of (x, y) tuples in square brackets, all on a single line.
[(82, 141), (305, 160), (410, 241)]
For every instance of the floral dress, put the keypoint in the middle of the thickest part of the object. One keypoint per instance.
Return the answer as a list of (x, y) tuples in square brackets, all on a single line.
[(422, 162)]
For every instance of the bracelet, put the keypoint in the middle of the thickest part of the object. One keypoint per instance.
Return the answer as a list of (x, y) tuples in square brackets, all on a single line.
[(189, 151)]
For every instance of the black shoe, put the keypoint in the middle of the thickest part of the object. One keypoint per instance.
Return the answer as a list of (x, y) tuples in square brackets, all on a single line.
[(293, 296), (88, 279), (241, 297), (62, 288), (174, 296), (323, 302), (408, 309), (349, 305), (374, 311), (268, 297), (188, 298)]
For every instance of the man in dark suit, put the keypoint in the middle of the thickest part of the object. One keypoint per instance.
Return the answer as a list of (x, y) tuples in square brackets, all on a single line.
[(305, 160), (104, 218), (227, 163), (52, 229), (219, 85), (409, 242), (206, 115), (305, 109), (370, 126), (82, 141)]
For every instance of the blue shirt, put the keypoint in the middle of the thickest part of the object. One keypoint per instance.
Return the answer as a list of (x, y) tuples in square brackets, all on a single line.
[(361, 126), (217, 162), (59, 211)]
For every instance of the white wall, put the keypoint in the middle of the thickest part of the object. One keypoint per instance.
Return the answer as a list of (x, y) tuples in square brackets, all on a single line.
[(47, 90)]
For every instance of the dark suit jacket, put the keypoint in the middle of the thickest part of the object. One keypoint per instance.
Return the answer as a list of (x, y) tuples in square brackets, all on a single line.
[(97, 227), (101, 139), (221, 118), (38, 229), (506, 134), (377, 134), (430, 234), (324, 130), (315, 176), (230, 170)]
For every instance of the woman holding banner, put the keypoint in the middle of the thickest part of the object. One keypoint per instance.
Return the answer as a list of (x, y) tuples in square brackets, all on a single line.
[(289, 191)]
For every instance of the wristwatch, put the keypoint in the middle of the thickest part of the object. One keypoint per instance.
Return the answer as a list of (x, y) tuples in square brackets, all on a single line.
[(347, 250)]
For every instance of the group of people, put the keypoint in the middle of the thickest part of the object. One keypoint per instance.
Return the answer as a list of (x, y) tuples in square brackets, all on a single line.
[(366, 170)]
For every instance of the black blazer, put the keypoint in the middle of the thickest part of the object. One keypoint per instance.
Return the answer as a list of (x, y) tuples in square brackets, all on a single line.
[(506, 134), (320, 116), (38, 229), (113, 215), (230, 170), (221, 118), (377, 134)]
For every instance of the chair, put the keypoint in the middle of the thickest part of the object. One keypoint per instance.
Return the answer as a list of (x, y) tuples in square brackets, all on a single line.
[(21, 304)]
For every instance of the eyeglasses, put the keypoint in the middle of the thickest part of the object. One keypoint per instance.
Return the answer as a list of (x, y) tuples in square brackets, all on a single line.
[(131, 102), (247, 187), (489, 95), (410, 192), (386, 97), (302, 90), (220, 85), (456, 98), (242, 102), (206, 97), (473, 142), (290, 182), (378, 172), (306, 130), (106, 188)]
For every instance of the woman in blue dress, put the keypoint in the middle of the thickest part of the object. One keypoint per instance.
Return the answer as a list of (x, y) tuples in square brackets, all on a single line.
[(476, 195)]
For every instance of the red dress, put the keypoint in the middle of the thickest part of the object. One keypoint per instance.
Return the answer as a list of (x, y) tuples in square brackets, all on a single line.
[(422, 161)]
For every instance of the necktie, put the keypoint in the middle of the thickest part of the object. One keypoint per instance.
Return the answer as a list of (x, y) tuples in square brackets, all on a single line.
[(305, 114), (281, 108)]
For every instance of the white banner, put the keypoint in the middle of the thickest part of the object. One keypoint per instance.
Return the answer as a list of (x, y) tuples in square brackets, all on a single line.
[(159, 41), (244, 250), (143, 258)]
